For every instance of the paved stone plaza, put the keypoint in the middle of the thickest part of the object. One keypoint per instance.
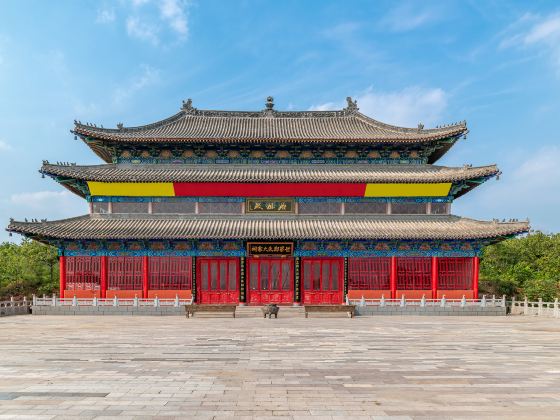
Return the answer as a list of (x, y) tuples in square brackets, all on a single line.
[(369, 367)]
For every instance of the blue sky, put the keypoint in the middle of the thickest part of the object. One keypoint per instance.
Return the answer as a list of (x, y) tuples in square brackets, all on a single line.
[(494, 63)]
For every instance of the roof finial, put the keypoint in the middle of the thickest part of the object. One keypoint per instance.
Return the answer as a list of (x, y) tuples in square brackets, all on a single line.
[(187, 105), (119, 126), (352, 105), (269, 103), (420, 126)]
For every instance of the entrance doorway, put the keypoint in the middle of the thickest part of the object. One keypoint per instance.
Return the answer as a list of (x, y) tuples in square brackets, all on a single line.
[(217, 280), (271, 280), (322, 280)]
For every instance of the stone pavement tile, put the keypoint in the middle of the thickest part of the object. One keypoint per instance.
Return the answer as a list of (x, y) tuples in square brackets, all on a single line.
[(415, 367)]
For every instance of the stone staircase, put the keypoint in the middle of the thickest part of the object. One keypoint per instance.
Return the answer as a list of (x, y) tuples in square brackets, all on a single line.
[(256, 312)]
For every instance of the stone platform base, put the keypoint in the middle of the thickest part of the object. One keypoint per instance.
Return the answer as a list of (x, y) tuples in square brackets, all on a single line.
[(430, 310), (108, 310), (256, 312)]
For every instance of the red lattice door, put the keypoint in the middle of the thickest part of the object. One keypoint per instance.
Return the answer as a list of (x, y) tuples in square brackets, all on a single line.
[(322, 280), (271, 280), (217, 280)]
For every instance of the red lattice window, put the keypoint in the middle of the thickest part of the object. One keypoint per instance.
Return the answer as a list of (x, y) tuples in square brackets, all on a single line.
[(455, 273), (83, 273), (170, 273), (414, 273), (369, 273), (125, 273)]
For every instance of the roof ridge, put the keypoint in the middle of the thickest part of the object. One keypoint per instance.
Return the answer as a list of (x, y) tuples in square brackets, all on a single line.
[(187, 110), (461, 126)]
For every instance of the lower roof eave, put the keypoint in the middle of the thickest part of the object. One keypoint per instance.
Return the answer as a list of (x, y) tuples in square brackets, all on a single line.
[(175, 228)]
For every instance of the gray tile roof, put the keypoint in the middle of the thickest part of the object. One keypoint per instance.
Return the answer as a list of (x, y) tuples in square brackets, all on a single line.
[(420, 227), (192, 125), (268, 173)]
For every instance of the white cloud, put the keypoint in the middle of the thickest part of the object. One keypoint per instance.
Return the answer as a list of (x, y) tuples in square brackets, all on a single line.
[(531, 31), (4, 146), (407, 107), (137, 3), (526, 189), (142, 30), (49, 204), (173, 12), (148, 77), (105, 16), (154, 21), (408, 16)]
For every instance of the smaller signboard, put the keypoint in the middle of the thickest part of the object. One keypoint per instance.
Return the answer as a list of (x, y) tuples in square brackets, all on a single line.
[(278, 249), (270, 205)]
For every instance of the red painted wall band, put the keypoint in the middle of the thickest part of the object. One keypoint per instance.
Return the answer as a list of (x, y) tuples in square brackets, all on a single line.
[(208, 189)]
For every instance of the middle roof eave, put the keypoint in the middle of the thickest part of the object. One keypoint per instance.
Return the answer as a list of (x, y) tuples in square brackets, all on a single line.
[(371, 173)]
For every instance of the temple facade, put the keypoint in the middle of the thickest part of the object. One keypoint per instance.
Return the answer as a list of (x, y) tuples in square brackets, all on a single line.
[(269, 206)]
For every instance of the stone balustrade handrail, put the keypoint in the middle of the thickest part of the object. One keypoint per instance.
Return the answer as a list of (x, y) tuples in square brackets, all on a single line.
[(118, 302), (535, 308), (423, 302), (14, 307)]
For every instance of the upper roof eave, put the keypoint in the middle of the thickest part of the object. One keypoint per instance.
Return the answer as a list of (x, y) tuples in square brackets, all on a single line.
[(191, 125)]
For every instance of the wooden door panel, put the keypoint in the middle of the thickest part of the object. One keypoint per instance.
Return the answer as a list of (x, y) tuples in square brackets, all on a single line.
[(217, 280), (322, 280), (270, 280)]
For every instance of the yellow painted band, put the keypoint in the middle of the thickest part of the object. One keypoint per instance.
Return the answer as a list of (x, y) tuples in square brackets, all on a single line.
[(408, 190), (131, 189)]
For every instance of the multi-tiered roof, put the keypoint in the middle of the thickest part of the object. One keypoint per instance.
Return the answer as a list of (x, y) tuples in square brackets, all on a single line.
[(268, 147)]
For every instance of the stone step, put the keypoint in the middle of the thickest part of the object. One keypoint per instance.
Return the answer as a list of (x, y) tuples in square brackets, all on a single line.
[(213, 315), (256, 312)]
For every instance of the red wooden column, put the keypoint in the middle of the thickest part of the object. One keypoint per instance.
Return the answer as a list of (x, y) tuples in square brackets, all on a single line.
[(62, 262), (434, 277), (145, 276), (104, 276), (393, 278), (476, 263)]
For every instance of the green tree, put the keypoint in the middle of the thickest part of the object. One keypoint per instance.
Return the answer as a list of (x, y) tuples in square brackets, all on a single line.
[(526, 266), (27, 268)]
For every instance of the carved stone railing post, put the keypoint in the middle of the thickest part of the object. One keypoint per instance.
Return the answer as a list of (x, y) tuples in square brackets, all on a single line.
[(156, 302), (493, 300), (503, 301), (115, 301), (556, 313), (526, 306), (443, 301), (176, 301), (347, 301), (74, 301), (513, 303), (363, 301), (539, 309), (53, 300), (94, 301), (135, 301), (423, 301), (403, 301), (483, 301), (382, 301), (34, 300), (463, 301)]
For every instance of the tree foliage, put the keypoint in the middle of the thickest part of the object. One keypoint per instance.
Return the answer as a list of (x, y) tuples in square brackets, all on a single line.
[(527, 266), (27, 268)]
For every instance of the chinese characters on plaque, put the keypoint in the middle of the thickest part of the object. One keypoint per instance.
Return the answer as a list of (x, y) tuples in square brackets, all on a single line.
[(270, 248), (268, 205)]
